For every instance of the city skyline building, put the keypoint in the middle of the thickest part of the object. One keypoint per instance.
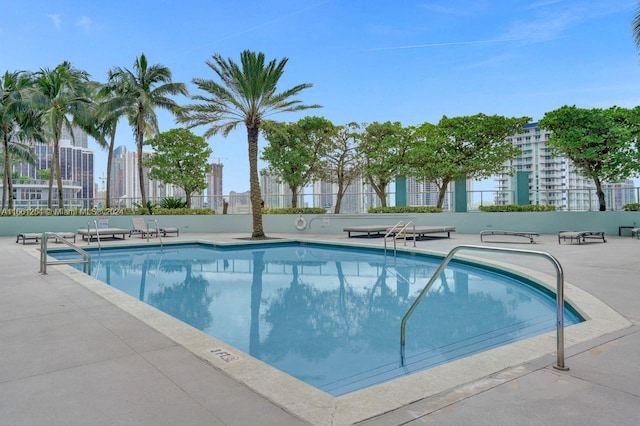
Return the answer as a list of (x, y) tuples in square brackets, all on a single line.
[(118, 176), (421, 192), (214, 176), (553, 180), (358, 197), (276, 194), (155, 190), (76, 171), (620, 193)]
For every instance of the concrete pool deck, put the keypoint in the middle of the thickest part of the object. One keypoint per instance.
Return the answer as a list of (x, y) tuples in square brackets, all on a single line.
[(70, 354)]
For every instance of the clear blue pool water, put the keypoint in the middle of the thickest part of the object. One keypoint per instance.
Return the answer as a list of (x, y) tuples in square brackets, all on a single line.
[(330, 315)]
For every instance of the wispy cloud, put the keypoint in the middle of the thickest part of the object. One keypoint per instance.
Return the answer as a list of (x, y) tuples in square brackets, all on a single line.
[(538, 30), (277, 19), (550, 19), (443, 44), (490, 62), (85, 23), (542, 3), (460, 9), (55, 18)]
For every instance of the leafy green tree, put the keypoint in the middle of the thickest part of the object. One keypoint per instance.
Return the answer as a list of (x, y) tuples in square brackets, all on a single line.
[(18, 121), (61, 94), (246, 95), (469, 147), (342, 161), (295, 149), (180, 158), (43, 174), (601, 143), (140, 91), (383, 147)]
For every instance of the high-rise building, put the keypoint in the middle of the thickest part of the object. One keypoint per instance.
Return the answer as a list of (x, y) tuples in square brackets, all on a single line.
[(357, 198), (215, 198), (619, 194), (276, 193), (76, 136), (155, 190), (118, 175), (76, 171), (132, 179), (421, 192), (553, 180)]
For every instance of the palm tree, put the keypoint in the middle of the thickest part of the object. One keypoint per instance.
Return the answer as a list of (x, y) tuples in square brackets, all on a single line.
[(246, 94), (61, 94), (101, 123), (636, 27), (139, 92), (16, 147), (16, 122)]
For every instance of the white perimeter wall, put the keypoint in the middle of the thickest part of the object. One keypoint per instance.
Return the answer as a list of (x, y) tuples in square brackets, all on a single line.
[(467, 223)]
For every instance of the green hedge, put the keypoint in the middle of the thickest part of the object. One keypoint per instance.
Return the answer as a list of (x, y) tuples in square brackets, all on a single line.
[(518, 208), (633, 207), (164, 211), (295, 210), (406, 209)]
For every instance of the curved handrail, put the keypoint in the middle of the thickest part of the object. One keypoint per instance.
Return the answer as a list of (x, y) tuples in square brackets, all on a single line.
[(559, 295), (157, 230), (395, 234), (95, 222), (86, 257)]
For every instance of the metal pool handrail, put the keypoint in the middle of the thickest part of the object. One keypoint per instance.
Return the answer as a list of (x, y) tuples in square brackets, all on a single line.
[(403, 227), (95, 222), (559, 295), (86, 257), (157, 230)]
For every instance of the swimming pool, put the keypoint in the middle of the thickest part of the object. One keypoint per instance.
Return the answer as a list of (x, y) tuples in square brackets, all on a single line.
[(330, 315)]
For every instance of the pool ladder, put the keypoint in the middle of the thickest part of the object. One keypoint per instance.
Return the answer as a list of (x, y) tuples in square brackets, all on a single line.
[(559, 365), (86, 258), (397, 230)]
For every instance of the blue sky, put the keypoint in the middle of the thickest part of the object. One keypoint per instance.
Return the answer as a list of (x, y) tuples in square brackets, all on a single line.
[(407, 61)]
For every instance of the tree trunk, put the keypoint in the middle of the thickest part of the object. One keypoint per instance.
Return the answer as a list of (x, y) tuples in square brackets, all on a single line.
[(56, 148), (254, 182), (380, 191), (601, 200), (52, 172), (442, 193), (187, 195), (8, 183), (294, 196), (109, 166), (336, 209), (341, 191), (139, 143)]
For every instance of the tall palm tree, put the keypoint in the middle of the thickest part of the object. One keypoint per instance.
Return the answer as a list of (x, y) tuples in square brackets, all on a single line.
[(636, 27), (62, 95), (17, 125), (246, 94), (18, 147), (140, 91), (101, 123)]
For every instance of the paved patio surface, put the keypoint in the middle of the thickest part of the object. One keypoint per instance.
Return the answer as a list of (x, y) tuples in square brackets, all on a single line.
[(69, 355)]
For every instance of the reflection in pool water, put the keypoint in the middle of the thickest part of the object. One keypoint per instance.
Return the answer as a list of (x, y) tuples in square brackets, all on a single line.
[(328, 315)]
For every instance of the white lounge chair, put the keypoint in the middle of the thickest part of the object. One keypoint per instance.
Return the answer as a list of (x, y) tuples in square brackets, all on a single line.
[(581, 236), (142, 228)]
